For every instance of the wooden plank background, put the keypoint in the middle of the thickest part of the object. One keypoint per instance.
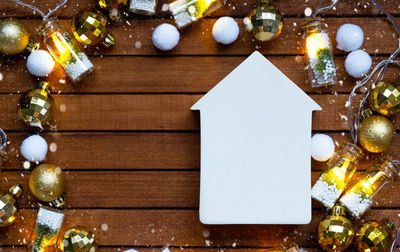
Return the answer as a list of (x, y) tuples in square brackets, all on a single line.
[(130, 145)]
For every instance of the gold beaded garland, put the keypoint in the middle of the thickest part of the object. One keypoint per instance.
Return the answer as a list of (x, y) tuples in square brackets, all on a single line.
[(376, 134), (265, 22), (47, 182), (14, 37), (78, 239)]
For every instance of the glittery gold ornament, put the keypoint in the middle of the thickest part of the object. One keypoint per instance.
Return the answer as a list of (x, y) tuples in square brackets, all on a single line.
[(14, 37), (376, 134), (385, 97), (47, 182), (7, 205), (90, 28), (114, 7), (35, 105), (375, 236), (78, 239), (265, 22), (335, 232)]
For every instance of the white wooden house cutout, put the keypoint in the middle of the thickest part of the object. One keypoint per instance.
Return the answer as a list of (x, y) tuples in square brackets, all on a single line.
[(255, 148)]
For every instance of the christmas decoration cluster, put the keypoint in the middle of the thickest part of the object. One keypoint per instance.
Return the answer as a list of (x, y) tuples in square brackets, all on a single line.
[(337, 188)]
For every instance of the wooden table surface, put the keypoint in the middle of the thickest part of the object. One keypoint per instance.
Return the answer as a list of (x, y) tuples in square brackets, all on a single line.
[(130, 146)]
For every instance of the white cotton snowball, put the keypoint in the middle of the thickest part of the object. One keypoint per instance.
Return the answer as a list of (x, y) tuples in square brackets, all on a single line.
[(225, 30), (165, 37), (322, 147), (40, 63), (358, 63), (34, 148), (350, 37)]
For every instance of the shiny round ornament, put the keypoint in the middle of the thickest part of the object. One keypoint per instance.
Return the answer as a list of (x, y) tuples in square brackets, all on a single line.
[(265, 22), (376, 134), (225, 30), (40, 63), (36, 104), (14, 37), (114, 7), (385, 97), (34, 148), (322, 147), (349, 37), (78, 239), (358, 63), (375, 236), (7, 205), (91, 28), (47, 182), (165, 37), (335, 232)]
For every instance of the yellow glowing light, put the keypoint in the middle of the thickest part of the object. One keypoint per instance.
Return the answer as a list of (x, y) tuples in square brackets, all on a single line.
[(339, 174), (316, 42)]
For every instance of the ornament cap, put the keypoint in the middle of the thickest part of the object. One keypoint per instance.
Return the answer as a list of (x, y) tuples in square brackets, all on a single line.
[(60, 201), (389, 224), (44, 85), (32, 45), (15, 191), (338, 210), (109, 41), (366, 113)]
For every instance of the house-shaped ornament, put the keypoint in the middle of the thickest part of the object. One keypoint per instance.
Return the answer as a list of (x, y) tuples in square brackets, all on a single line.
[(255, 148)]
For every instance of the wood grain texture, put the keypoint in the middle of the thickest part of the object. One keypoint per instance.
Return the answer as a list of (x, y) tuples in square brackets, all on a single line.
[(139, 151), (172, 75), (176, 228), (151, 112), (147, 190)]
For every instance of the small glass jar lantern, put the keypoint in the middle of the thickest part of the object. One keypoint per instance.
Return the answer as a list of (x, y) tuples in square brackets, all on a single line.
[(333, 180), (186, 12), (63, 48), (319, 54), (45, 234), (359, 198), (145, 7)]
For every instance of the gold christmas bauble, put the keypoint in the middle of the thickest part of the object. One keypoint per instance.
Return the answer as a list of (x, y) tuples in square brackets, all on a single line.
[(7, 205), (13, 37), (47, 182), (385, 97), (35, 105), (78, 239), (335, 232), (376, 134), (375, 236), (114, 7), (91, 28), (265, 22)]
